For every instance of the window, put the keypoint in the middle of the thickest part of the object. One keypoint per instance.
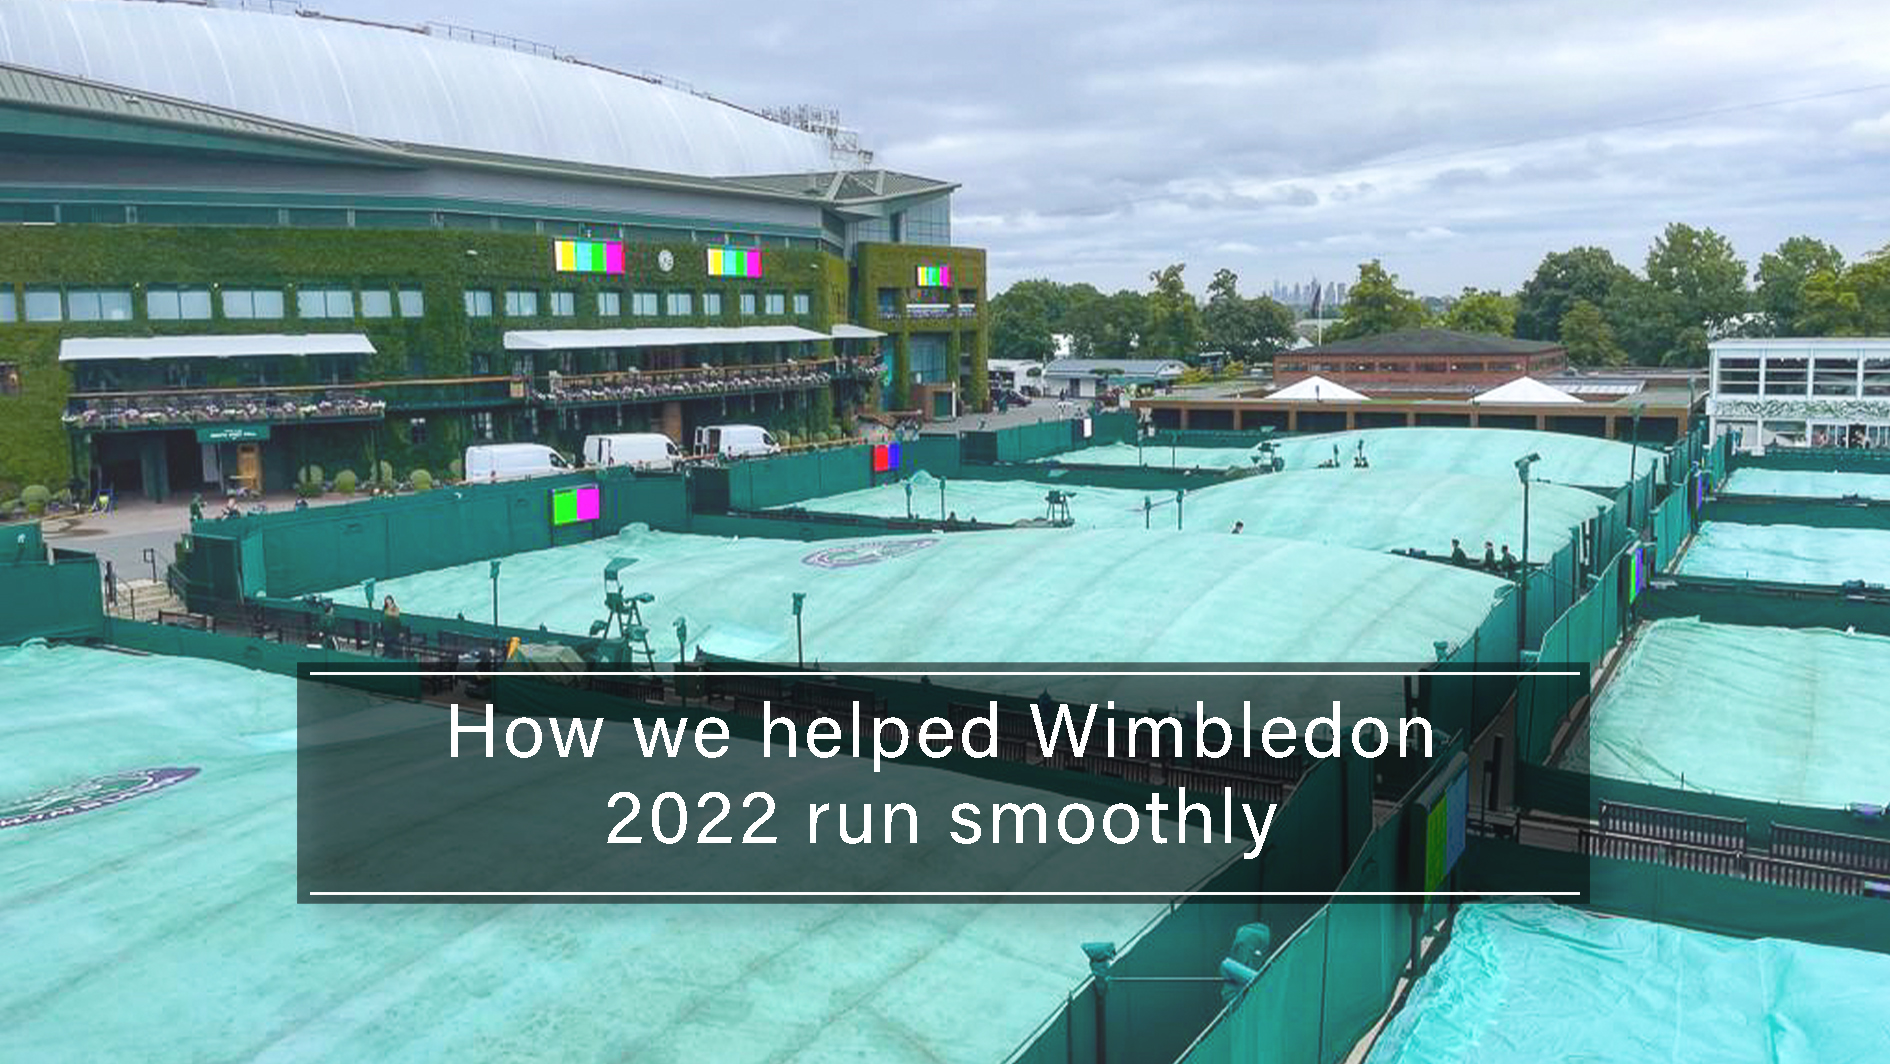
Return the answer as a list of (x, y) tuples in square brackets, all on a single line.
[(175, 303), (712, 304), (252, 302), (777, 303), (9, 376), (9, 310), (521, 303), (482, 424), (643, 304), (478, 303), (417, 430), (889, 302), (1785, 376), (1739, 376), (747, 306), (413, 303), (324, 303), (609, 304), (563, 304), (1834, 376), (802, 303), (99, 304), (680, 304), (1876, 375), (481, 363), (377, 303)]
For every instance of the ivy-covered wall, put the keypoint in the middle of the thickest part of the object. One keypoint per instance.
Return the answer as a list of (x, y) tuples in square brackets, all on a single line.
[(896, 266), (35, 446)]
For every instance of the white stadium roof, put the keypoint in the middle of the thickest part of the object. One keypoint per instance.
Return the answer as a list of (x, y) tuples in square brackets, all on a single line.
[(252, 345), (393, 84)]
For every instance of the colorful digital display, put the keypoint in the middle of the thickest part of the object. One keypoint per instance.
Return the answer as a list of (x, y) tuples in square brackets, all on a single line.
[(734, 262), (1700, 481), (885, 457), (587, 256), (1637, 573), (1438, 830), (935, 277), (572, 505)]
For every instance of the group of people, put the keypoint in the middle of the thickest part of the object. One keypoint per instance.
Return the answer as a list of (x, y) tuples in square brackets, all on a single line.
[(1502, 564)]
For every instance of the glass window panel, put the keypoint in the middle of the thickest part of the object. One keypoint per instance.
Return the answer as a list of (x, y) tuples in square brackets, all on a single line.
[(478, 303), (413, 303), (377, 303)]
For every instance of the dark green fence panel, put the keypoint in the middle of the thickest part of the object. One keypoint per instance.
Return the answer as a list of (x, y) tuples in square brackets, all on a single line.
[(57, 600)]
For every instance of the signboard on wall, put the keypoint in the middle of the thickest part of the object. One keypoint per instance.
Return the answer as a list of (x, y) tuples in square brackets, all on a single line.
[(935, 277), (1439, 827), (734, 262), (231, 433), (587, 256), (570, 506)]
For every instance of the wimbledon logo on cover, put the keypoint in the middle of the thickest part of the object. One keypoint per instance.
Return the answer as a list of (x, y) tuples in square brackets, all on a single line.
[(95, 793)]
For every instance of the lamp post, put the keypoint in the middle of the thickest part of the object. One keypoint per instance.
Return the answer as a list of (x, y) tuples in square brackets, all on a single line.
[(1522, 609), (495, 592), (941, 499), (1634, 453), (1177, 509), (908, 484), (800, 651)]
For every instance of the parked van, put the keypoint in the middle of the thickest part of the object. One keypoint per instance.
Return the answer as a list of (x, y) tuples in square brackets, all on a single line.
[(491, 462), (638, 450), (736, 441)]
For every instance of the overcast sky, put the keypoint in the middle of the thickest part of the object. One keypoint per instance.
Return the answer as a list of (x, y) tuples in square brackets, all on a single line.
[(1457, 141)]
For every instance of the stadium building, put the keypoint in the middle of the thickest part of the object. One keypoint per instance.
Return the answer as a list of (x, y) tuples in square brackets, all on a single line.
[(236, 243)]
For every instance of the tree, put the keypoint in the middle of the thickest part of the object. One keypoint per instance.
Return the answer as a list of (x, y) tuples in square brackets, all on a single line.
[(1645, 320), (1853, 301), (1108, 326), (1781, 278), (1174, 320), (1699, 269), (1482, 312), (1376, 305), (1247, 329), (1583, 273), (1022, 322), (1588, 338)]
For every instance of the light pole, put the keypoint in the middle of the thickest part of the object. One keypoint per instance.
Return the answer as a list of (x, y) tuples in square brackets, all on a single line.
[(495, 592), (941, 500), (1522, 606), (1634, 452), (908, 499), (800, 652)]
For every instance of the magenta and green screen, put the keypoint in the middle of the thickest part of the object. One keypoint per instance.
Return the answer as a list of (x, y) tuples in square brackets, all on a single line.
[(734, 262), (572, 505), (587, 256), (935, 277)]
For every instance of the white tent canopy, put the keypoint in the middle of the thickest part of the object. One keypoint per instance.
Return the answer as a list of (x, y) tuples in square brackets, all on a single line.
[(846, 331), (1526, 390), (576, 339), (1317, 390), (256, 345)]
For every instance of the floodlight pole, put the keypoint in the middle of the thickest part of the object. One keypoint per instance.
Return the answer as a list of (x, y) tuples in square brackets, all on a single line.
[(1522, 605), (800, 651)]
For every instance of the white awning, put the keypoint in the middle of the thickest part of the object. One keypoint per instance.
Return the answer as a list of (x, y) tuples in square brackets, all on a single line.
[(259, 345), (845, 331), (579, 339), (1317, 390), (1526, 390)]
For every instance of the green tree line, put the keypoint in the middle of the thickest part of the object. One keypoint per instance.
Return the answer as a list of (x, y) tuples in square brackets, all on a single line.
[(1692, 287)]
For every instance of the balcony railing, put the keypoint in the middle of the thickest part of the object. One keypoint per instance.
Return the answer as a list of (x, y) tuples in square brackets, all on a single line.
[(184, 408), (632, 386)]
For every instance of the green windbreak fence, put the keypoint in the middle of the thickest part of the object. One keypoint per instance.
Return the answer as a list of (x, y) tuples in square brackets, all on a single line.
[(1672, 523), (1582, 634), (1325, 986), (1776, 606), (299, 551), (1807, 459), (1809, 513), (1025, 443), (258, 654), (60, 599), (20, 543)]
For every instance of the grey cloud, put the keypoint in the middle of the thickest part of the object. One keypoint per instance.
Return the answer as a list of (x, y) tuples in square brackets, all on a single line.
[(1098, 140)]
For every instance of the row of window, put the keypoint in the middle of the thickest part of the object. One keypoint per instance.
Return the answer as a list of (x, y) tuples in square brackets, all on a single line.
[(1788, 376), (194, 302), (524, 303), (1419, 366)]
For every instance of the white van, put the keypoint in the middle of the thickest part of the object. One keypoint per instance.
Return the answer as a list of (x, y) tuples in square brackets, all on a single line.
[(735, 441), (638, 450), (492, 462)]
